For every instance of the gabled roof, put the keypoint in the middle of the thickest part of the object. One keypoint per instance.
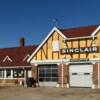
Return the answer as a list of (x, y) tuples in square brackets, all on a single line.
[(79, 32), (17, 54), (50, 33)]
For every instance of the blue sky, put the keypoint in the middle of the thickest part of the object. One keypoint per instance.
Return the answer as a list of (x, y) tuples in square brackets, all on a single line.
[(32, 19)]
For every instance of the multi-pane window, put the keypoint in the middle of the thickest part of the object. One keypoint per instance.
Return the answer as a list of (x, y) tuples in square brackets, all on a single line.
[(12, 73), (8, 73), (1, 73), (18, 73), (48, 73)]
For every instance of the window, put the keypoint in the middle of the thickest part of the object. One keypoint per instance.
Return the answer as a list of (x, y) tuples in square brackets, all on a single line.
[(8, 73), (74, 73), (11, 73), (55, 46), (86, 73), (48, 73), (1, 73), (18, 73)]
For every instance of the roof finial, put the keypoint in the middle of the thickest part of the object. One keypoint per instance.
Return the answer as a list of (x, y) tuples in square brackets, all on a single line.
[(55, 22)]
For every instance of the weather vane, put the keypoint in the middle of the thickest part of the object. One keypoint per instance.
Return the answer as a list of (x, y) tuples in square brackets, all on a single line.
[(55, 22)]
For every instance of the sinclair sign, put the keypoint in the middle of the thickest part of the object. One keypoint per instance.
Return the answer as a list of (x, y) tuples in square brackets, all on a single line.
[(80, 50)]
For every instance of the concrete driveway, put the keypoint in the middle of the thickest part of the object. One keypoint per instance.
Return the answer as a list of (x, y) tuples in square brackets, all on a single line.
[(48, 93)]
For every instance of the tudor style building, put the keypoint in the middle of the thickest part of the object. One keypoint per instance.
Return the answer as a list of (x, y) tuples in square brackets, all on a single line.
[(14, 68), (68, 58)]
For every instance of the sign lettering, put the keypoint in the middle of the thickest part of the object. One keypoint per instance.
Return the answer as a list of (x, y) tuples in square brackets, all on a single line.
[(80, 50)]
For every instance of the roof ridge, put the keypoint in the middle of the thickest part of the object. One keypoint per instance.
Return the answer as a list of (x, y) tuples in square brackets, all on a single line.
[(78, 27), (19, 47)]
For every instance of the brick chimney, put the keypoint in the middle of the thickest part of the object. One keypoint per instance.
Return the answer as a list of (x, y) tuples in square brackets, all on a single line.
[(22, 42)]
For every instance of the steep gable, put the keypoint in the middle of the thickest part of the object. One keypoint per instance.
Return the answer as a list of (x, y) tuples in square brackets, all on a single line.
[(47, 38)]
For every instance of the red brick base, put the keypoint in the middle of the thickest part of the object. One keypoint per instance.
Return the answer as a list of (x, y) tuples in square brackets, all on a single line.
[(95, 74), (65, 74)]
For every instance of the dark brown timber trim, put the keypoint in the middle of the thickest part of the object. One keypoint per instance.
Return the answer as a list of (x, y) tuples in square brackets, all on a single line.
[(59, 44), (41, 52), (72, 47), (44, 53), (79, 47)]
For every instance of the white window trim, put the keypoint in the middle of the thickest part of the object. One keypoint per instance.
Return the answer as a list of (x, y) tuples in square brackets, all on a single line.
[(5, 74)]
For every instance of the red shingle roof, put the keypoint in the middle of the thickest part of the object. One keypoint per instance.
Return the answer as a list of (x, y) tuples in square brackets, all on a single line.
[(79, 32), (17, 55)]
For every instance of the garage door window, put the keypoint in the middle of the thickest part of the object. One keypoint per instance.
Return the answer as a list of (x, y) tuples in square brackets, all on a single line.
[(48, 73), (74, 73), (86, 73)]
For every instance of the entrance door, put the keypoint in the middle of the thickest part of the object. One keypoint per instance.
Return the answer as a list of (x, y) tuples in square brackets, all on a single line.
[(48, 75), (80, 75)]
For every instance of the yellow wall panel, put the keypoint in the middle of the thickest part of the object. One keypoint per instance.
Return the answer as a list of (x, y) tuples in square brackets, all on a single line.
[(98, 39), (61, 46), (75, 44), (75, 56), (97, 55), (55, 36), (61, 42), (55, 55), (50, 48), (82, 43), (43, 56), (69, 44), (82, 55), (44, 52), (39, 55), (34, 58), (90, 55), (68, 56), (89, 43)]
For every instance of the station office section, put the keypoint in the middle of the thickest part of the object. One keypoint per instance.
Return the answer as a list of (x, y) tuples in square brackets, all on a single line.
[(13, 76)]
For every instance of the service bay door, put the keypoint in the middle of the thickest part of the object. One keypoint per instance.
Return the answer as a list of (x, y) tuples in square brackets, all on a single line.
[(80, 75)]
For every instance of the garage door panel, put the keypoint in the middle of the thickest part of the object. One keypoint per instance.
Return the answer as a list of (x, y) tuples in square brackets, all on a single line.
[(81, 68), (79, 76), (47, 83)]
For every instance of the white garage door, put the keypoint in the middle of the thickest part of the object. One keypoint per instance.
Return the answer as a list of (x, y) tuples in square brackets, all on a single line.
[(80, 75)]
